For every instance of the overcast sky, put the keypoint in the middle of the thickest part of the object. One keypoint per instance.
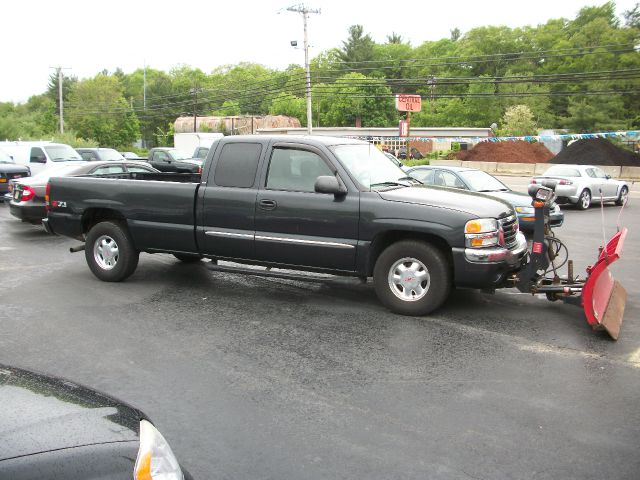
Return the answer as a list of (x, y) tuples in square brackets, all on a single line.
[(88, 36)]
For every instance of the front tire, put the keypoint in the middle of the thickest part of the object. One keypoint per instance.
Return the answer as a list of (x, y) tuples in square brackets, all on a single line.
[(412, 277), (584, 200), (622, 198), (110, 253)]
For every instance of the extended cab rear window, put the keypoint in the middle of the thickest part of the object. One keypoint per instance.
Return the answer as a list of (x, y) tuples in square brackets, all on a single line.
[(237, 165)]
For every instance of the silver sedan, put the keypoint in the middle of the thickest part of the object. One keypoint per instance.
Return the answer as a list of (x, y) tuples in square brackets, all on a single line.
[(581, 184)]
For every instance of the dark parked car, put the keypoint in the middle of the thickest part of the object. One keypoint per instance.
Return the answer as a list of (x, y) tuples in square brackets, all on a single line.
[(132, 156), (8, 171), (168, 159), (99, 154), (479, 181), (53, 429), (27, 201)]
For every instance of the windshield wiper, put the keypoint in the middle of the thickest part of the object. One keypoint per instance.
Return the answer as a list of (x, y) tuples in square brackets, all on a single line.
[(411, 179), (388, 184)]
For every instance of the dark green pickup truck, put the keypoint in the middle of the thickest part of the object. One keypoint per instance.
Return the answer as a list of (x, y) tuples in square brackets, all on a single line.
[(317, 204)]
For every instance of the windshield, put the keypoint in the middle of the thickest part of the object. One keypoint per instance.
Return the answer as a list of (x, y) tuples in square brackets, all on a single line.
[(178, 155), (562, 172), (4, 158), (62, 153), (368, 165), (479, 181), (109, 154), (202, 153)]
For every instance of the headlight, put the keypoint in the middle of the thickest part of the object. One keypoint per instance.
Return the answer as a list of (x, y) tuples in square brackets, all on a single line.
[(482, 232), (481, 225), (526, 210), (155, 459)]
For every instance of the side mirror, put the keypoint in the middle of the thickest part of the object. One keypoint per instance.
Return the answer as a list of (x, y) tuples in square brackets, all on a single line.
[(608, 177), (38, 159), (329, 184)]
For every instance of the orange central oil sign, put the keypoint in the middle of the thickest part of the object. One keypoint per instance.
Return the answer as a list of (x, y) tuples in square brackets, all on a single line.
[(408, 103)]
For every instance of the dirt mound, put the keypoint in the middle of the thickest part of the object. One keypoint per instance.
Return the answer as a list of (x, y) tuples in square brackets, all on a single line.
[(507, 152), (596, 151)]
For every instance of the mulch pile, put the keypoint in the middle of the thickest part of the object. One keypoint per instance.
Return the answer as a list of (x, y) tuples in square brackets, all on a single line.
[(508, 152), (596, 151)]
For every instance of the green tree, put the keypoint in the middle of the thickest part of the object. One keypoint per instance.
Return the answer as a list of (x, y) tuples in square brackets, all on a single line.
[(354, 96), (228, 109), (289, 105), (98, 109), (358, 47), (395, 38), (632, 17), (53, 92), (592, 114), (518, 121)]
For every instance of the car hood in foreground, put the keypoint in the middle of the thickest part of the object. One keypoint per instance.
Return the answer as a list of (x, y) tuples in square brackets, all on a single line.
[(476, 204), (41, 413)]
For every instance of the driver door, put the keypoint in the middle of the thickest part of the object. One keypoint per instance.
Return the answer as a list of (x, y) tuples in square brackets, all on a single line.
[(297, 226)]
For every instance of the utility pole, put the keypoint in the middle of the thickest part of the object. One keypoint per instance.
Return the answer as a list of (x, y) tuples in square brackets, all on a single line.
[(305, 11), (144, 86), (194, 92), (144, 97), (60, 100)]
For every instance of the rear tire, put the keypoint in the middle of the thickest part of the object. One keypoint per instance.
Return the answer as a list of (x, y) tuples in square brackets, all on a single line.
[(584, 200), (187, 258), (622, 198), (109, 252), (412, 277)]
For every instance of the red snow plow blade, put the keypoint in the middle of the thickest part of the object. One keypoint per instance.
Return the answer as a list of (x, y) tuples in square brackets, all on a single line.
[(603, 297)]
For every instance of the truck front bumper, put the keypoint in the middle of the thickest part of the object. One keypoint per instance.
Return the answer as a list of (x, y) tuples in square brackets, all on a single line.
[(488, 267)]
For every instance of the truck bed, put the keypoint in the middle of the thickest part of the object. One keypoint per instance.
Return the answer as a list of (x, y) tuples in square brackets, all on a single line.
[(159, 207)]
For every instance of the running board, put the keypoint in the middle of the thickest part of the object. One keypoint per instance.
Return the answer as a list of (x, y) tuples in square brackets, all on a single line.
[(286, 276)]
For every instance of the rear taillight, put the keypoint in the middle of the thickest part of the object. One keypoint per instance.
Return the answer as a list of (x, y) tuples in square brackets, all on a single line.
[(565, 182), (27, 193), (46, 196), (533, 181)]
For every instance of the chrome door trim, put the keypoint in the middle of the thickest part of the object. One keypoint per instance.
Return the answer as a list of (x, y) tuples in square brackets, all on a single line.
[(304, 242), (217, 233)]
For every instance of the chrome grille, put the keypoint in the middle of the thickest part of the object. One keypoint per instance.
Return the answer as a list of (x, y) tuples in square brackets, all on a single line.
[(509, 225)]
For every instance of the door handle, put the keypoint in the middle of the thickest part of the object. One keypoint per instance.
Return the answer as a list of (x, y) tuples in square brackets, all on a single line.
[(267, 204)]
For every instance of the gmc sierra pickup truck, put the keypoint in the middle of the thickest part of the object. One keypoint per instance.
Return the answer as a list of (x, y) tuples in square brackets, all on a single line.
[(317, 204)]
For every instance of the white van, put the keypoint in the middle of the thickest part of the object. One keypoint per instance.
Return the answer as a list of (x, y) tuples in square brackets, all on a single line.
[(196, 144), (40, 155)]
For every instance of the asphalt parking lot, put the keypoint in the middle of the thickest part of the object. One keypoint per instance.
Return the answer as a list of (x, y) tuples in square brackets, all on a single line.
[(258, 378)]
